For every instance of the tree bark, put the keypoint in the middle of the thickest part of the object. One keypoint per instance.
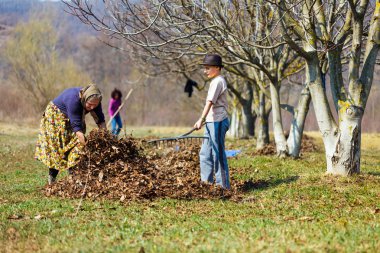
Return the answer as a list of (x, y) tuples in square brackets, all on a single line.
[(235, 129), (262, 131), (262, 123), (248, 120), (296, 129), (342, 139), (345, 160), (342, 142), (325, 121), (279, 136)]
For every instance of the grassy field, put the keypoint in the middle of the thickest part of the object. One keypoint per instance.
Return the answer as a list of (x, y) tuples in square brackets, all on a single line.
[(297, 209)]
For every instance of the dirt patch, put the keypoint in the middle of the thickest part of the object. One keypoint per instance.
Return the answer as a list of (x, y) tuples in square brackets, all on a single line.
[(269, 149), (308, 145), (121, 169)]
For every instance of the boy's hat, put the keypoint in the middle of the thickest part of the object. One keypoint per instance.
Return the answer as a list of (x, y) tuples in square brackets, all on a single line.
[(213, 60)]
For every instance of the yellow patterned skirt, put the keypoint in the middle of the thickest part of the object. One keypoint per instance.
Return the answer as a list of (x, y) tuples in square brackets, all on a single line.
[(58, 146)]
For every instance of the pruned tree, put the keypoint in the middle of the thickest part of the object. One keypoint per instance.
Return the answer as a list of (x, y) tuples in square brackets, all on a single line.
[(246, 32), (333, 32)]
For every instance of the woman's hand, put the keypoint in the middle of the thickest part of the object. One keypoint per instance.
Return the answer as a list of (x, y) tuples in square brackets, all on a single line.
[(81, 138), (102, 125)]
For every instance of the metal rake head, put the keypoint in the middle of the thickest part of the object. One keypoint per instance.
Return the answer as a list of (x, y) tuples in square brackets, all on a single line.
[(177, 141), (182, 139)]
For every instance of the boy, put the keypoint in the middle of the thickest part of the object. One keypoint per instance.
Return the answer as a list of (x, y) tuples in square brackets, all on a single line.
[(212, 155)]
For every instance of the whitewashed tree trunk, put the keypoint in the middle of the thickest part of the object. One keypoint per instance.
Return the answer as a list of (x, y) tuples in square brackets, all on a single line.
[(341, 139), (278, 132), (243, 100), (296, 129), (345, 159), (325, 120), (235, 129), (342, 142)]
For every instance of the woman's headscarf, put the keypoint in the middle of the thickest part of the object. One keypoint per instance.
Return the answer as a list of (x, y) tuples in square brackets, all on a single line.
[(89, 91), (85, 94)]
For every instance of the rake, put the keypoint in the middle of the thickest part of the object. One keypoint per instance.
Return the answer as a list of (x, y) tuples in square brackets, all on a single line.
[(184, 138)]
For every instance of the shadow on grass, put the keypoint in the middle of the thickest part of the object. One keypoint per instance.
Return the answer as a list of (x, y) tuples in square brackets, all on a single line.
[(265, 184)]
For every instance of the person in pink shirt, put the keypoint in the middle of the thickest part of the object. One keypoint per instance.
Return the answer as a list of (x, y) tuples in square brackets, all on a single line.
[(114, 105)]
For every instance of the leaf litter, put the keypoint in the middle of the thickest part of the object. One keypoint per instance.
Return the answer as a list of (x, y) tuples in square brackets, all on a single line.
[(307, 145), (122, 170)]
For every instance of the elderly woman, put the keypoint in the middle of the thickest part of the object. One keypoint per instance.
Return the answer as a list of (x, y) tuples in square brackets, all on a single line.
[(63, 127)]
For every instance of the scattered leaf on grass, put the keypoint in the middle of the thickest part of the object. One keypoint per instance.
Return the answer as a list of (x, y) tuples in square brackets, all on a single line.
[(14, 217), (306, 218), (38, 217)]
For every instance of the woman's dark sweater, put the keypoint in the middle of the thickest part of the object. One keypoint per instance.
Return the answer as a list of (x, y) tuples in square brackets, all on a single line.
[(68, 102)]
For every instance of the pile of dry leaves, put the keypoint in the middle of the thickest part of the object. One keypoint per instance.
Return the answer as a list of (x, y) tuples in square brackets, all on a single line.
[(121, 169)]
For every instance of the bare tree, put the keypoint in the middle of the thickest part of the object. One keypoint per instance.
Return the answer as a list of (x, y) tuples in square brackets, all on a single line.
[(37, 66), (247, 32), (329, 31)]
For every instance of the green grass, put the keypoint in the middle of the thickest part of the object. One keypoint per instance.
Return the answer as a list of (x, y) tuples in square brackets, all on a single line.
[(296, 208)]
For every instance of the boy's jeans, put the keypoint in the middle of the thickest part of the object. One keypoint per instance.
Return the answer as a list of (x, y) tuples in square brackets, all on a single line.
[(116, 121), (212, 155)]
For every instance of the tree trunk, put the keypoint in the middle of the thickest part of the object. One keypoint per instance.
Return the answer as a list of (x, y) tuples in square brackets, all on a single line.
[(345, 158), (278, 131), (262, 131), (235, 124), (342, 143), (262, 124), (296, 129), (245, 127), (248, 120)]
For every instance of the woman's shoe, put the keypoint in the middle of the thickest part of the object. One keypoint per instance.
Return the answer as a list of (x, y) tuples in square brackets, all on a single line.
[(51, 179), (52, 176)]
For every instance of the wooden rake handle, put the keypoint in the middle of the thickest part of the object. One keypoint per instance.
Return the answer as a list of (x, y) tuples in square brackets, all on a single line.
[(186, 134), (192, 130)]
